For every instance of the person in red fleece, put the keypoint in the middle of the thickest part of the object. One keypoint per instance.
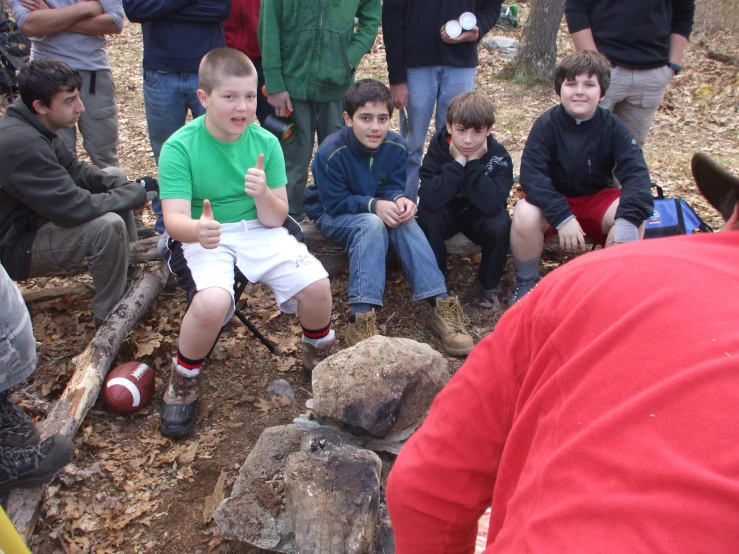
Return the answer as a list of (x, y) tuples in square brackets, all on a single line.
[(601, 414), (241, 34)]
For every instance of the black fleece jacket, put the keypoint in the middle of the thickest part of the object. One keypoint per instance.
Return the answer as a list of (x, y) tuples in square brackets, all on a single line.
[(483, 185), (411, 30), (41, 180), (632, 33), (562, 160)]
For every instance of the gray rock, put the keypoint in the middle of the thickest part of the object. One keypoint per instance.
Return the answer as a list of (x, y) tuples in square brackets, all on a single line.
[(496, 43), (281, 387), (332, 486), (380, 386), (255, 512)]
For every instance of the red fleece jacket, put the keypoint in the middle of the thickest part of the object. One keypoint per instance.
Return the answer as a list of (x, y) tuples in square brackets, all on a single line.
[(241, 27), (600, 416)]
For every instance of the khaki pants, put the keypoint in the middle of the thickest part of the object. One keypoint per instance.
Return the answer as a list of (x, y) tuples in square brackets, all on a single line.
[(99, 122), (104, 242), (635, 95)]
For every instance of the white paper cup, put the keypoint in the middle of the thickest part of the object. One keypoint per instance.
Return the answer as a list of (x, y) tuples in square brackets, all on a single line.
[(467, 20), (453, 28)]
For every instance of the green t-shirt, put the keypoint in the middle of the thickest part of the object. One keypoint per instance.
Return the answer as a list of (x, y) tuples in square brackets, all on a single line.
[(195, 166)]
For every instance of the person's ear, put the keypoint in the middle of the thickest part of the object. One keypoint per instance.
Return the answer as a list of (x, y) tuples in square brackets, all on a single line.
[(490, 130), (39, 107), (203, 97), (348, 120), (449, 128), (733, 222)]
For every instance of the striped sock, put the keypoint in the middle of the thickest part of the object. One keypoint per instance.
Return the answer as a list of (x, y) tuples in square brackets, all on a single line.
[(187, 367), (317, 336)]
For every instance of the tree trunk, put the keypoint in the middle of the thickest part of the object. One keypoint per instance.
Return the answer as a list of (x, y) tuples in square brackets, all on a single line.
[(537, 52), (91, 367)]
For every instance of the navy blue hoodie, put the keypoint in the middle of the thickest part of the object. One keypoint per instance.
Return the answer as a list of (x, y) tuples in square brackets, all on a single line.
[(349, 177), (178, 33)]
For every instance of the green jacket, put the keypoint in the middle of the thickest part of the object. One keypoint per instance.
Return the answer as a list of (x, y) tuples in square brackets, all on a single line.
[(310, 48)]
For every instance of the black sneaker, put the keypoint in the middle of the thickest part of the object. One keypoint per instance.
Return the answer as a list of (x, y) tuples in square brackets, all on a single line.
[(24, 467), (177, 415), (16, 428)]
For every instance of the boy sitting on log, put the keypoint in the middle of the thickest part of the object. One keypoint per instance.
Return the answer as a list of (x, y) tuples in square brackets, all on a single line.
[(358, 201), (224, 203), (466, 177), (573, 152), (55, 210)]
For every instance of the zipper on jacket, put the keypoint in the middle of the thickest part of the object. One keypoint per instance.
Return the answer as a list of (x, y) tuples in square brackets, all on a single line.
[(590, 172), (372, 160)]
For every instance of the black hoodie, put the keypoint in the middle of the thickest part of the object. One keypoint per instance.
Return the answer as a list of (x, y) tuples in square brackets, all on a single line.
[(41, 180), (483, 185)]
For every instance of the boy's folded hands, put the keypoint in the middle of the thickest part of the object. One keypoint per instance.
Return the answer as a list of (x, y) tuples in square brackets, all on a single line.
[(406, 209), (209, 230)]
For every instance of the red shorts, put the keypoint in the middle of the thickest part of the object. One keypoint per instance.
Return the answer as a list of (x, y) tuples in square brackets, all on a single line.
[(589, 211)]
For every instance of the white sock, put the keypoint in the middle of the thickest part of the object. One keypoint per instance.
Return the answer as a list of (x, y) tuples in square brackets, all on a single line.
[(323, 340)]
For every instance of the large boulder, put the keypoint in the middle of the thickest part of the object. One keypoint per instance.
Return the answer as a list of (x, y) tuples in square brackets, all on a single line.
[(255, 512), (332, 486), (380, 386)]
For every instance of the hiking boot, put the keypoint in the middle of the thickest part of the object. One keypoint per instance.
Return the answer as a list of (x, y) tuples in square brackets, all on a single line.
[(313, 355), (25, 467), (363, 327), (448, 321), (177, 415), (16, 428), (521, 289)]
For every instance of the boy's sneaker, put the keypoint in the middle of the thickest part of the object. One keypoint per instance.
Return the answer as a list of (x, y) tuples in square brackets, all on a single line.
[(33, 465), (493, 294), (448, 321), (16, 428), (521, 289), (177, 415), (313, 355), (363, 327)]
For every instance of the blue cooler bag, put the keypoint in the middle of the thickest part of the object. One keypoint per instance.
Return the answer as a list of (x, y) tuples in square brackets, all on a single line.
[(673, 216)]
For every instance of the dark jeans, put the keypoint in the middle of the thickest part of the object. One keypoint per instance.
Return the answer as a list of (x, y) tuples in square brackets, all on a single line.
[(492, 234), (264, 108)]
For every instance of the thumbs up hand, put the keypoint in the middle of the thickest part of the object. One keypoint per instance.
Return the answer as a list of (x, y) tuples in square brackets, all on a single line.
[(256, 180), (209, 230)]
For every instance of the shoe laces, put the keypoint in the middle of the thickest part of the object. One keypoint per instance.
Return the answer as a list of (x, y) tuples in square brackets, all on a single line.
[(521, 289), (13, 420), (181, 385), (20, 459), (367, 326), (452, 314)]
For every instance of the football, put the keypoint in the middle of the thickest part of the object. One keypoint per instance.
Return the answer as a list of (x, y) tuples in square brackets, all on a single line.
[(129, 387)]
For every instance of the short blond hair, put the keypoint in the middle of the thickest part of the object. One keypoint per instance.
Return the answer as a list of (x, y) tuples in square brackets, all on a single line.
[(221, 63)]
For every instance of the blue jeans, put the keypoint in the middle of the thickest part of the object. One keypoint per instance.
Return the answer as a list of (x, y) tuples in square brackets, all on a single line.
[(167, 97), (366, 239), (429, 86)]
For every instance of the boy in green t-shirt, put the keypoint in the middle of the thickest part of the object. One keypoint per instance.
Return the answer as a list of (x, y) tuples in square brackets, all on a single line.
[(223, 195)]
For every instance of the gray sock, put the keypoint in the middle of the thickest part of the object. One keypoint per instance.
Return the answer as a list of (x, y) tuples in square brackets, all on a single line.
[(527, 270)]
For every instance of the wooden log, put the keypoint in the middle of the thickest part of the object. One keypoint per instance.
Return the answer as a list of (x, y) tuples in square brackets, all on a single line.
[(91, 367), (42, 295), (721, 57)]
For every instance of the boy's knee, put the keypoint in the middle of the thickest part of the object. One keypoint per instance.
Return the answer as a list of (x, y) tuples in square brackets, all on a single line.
[(526, 217), (497, 226), (317, 292), (108, 227), (210, 306), (373, 225)]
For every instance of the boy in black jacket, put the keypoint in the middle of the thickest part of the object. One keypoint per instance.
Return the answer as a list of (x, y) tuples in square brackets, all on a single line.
[(466, 177), (573, 152)]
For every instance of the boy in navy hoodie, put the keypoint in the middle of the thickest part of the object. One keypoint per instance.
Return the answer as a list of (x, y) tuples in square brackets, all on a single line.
[(358, 202), (466, 177)]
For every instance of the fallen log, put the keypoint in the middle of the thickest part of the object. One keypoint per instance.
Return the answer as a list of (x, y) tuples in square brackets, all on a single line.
[(91, 367), (721, 57), (42, 295)]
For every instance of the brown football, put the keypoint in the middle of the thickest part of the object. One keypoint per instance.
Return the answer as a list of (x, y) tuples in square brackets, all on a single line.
[(129, 387)]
